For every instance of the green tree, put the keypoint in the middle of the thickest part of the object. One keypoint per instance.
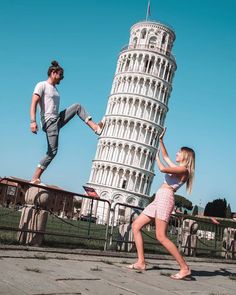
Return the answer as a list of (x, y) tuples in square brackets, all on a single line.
[(181, 202), (228, 212), (216, 208), (195, 210)]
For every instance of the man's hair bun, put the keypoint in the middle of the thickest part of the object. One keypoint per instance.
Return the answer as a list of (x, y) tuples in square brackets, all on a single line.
[(54, 63), (55, 67)]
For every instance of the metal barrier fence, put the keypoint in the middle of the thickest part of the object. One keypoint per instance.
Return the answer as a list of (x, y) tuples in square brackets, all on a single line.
[(112, 230), (121, 237), (202, 236), (59, 231), (194, 236)]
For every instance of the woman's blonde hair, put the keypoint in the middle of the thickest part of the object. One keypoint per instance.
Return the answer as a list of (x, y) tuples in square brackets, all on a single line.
[(189, 162)]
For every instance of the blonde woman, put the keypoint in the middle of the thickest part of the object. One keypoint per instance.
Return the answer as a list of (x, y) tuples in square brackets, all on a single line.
[(160, 209)]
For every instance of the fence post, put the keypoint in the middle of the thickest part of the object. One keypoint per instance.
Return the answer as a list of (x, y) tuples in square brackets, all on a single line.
[(126, 238), (112, 213), (229, 243), (189, 237), (34, 217), (107, 227), (90, 217)]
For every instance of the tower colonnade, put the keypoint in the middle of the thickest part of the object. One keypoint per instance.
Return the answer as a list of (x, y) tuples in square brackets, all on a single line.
[(151, 113), (125, 178), (148, 63), (122, 153), (133, 130), (143, 86)]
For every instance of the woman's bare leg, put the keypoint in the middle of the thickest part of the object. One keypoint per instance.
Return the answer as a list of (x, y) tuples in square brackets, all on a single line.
[(161, 229), (137, 225)]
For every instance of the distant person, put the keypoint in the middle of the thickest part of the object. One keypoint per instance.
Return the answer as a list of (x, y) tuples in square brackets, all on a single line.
[(162, 206), (47, 96)]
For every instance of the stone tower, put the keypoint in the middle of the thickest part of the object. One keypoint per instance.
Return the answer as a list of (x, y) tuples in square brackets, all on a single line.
[(123, 168)]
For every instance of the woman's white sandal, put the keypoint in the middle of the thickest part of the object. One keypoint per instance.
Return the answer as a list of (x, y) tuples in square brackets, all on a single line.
[(178, 276)]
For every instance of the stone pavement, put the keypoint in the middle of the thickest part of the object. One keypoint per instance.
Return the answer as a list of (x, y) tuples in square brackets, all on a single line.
[(37, 271)]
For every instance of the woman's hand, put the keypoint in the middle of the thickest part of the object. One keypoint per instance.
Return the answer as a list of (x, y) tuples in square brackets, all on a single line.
[(159, 163), (162, 134), (158, 154)]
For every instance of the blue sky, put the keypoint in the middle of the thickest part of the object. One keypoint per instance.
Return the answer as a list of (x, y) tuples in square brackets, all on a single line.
[(86, 37)]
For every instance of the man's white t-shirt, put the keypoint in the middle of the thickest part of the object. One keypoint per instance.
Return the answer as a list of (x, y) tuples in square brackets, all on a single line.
[(49, 100)]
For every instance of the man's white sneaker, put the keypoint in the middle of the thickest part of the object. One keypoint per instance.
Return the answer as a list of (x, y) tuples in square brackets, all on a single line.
[(101, 126), (37, 181)]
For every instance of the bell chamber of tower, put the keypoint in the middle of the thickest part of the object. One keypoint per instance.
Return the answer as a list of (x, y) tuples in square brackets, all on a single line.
[(123, 167)]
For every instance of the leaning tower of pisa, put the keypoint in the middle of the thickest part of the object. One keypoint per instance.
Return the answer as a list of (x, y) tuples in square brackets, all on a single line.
[(123, 167)]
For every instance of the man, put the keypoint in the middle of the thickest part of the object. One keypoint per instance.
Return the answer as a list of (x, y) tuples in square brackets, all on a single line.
[(47, 96)]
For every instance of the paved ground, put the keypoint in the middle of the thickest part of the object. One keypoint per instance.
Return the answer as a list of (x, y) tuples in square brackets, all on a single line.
[(33, 271)]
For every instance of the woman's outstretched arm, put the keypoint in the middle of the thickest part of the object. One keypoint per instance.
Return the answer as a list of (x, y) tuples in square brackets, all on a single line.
[(164, 153), (171, 169)]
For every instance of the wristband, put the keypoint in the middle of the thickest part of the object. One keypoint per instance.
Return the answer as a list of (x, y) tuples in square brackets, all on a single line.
[(32, 121)]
